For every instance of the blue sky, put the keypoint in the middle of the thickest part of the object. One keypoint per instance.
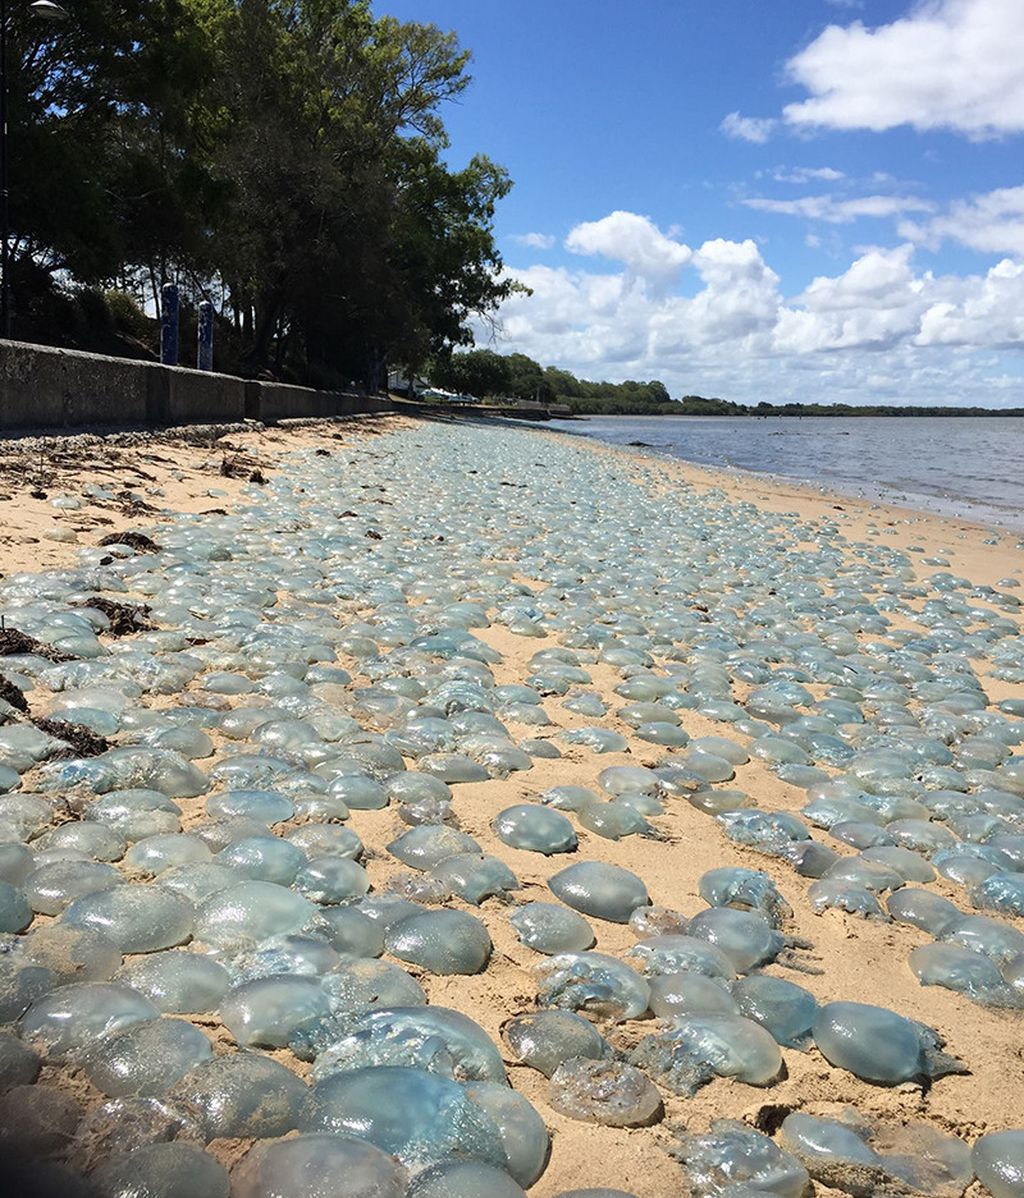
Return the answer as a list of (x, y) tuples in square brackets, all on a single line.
[(759, 199)]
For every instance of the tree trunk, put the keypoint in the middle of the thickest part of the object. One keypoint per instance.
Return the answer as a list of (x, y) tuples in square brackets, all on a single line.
[(268, 311)]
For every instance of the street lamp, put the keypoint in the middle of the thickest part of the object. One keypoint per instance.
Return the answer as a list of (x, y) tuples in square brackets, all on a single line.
[(48, 10)]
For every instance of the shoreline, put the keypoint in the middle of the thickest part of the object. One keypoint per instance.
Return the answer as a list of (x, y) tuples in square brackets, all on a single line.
[(1004, 520), (139, 462), (861, 961), (932, 532)]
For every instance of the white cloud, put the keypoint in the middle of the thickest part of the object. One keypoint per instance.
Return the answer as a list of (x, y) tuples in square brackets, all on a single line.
[(807, 174), (992, 223), (725, 328), (840, 212), (533, 241), (875, 303), (748, 128), (988, 311), (634, 240), (948, 64)]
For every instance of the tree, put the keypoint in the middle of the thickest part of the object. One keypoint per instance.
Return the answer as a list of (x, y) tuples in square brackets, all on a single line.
[(526, 379), (101, 164), (281, 157), (480, 373), (349, 241)]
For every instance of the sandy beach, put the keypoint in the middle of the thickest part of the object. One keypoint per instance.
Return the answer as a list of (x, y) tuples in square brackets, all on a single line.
[(146, 485)]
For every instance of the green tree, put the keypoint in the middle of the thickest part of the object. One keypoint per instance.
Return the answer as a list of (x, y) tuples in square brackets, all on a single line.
[(103, 175), (282, 157), (349, 242), (480, 372), (526, 379)]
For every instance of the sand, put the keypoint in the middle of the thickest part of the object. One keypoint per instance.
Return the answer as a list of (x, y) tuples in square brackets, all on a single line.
[(860, 961)]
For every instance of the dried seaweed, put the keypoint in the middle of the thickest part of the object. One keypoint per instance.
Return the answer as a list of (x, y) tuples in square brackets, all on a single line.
[(134, 540), (80, 741), (125, 618), (13, 642), (12, 694)]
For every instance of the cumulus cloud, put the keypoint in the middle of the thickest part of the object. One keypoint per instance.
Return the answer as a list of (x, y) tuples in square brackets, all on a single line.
[(948, 64), (634, 240), (987, 311), (992, 223), (874, 304), (726, 328), (840, 212), (748, 128), (533, 241)]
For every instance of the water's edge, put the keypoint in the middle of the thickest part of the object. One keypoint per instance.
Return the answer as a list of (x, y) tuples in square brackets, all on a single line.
[(730, 444)]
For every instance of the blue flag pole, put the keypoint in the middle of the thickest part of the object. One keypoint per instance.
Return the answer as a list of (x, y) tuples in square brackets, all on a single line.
[(169, 324)]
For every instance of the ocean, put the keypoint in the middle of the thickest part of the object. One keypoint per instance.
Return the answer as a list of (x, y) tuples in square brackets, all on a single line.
[(969, 466)]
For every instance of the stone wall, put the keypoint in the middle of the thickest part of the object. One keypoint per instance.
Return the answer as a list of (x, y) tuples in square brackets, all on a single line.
[(46, 388)]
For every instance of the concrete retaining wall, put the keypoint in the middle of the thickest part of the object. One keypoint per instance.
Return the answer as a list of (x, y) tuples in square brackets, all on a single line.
[(46, 388)]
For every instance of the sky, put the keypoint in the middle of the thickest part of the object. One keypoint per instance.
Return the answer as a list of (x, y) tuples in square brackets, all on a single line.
[(782, 200)]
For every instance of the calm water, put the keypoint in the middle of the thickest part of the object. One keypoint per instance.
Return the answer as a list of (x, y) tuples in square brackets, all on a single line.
[(967, 466)]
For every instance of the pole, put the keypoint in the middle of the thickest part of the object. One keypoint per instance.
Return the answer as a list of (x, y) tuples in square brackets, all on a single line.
[(169, 324), (204, 354), (5, 213)]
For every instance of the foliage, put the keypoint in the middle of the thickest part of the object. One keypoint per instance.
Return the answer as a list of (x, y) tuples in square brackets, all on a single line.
[(282, 158), (486, 374)]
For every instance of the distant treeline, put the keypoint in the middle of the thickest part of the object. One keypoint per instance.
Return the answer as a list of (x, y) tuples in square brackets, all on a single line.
[(485, 374)]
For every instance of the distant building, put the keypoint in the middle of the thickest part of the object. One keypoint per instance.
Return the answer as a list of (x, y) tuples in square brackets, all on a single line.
[(404, 384)]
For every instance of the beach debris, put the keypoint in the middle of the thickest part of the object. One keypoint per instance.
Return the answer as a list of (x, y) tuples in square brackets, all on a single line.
[(14, 695), (76, 739), (138, 542), (14, 643)]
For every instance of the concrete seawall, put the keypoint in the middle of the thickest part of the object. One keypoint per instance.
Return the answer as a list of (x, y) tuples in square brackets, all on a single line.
[(46, 388)]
